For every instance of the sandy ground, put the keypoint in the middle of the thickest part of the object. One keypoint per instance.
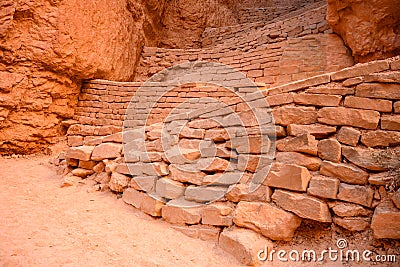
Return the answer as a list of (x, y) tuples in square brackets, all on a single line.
[(42, 224)]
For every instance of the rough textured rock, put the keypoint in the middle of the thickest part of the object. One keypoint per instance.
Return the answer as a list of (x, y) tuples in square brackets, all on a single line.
[(267, 219), (370, 28), (386, 221)]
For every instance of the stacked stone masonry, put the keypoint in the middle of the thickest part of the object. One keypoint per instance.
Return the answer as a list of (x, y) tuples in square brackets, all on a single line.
[(337, 139)]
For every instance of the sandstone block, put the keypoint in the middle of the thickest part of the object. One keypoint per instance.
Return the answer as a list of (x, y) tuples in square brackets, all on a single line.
[(169, 189), (379, 90), (184, 176), (354, 224), (311, 163), (216, 165), (113, 138), (83, 173), (81, 152), (217, 135), (243, 244), (266, 219), (386, 221), (143, 183), (202, 232), (356, 194), (302, 205), (345, 172), (343, 209), (330, 149), (317, 130), (203, 124), (368, 103), (75, 140), (322, 186), (396, 199), (253, 163), (119, 182), (317, 99), (280, 99), (381, 138), (241, 192), (71, 180), (295, 115), (224, 179), (102, 178), (143, 202), (390, 122), (360, 70), (305, 143), (88, 165), (251, 144), (205, 194), (331, 90), (341, 116), (106, 151), (180, 211), (348, 136), (396, 107), (188, 132), (371, 159), (99, 167), (218, 214), (382, 178), (290, 177)]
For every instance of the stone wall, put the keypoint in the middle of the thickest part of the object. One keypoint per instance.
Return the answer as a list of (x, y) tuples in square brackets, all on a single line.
[(337, 139)]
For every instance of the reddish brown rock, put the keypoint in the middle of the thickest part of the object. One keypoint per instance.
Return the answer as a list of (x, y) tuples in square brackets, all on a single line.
[(379, 90), (143, 202), (356, 194), (183, 176), (290, 177), (305, 143), (280, 99), (205, 194), (169, 189), (348, 136), (295, 115), (341, 116), (82, 172), (302, 205), (240, 192), (382, 178), (396, 199), (330, 149), (311, 163), (217, 135), (251, 144), (266, 219), (144, 183), (119, 182), (343, 209), (345, 172), (218, 214), (106, 151), (202, 232), (244, 244), (331, 90), (180, 211), (82, 152), (322, 186), (396, 107), (187, 132), (372, 159), (386, 221), (317, 99), (317, 130), (368, 103), (354, 224), (75, 140), (381, 138), (89, 165), (390, 122)]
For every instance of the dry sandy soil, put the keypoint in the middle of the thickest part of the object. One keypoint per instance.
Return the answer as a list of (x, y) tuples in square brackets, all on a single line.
[(42, 224)]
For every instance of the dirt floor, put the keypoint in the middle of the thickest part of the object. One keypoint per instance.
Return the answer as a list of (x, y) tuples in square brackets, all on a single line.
[(42, 224)]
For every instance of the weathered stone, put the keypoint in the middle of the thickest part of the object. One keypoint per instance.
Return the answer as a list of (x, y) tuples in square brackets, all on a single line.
[(132, 135), (205, 193), (386, 221), (295, 115), (226, 178), (280, 99), (203, 124), (184, 176), (322, 186), (202, 232), (341, 116), (290, 177), (302, 205), (102, 178), (71, 180), (169, 189), (305, 143), (72, 162), (80, 172), (244, 244), (215, 165), (367, 103), (396, 199), (383, 178), (360, 70), (251, 144), (81, 152), (317, 99), (348, 136), (106, 151), (143, 202), (354, 224), (331, 90), (113, 138), (88, 165), (99, 167), (317, 130), (372, 159), (218, 214), (253, 163), (379, 90), (240, 192), (390, 122), (356, 194), (330, 149), (343, 209), (75, 140), (143, 183), (217, 135), (396, 107), (119, 182), (311, 163), (353, 81), (345, 172), (180, 211), (266, 219), (381, 138), (188, 132)]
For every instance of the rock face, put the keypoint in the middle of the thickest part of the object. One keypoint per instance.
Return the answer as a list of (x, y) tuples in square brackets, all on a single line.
[(370, 28)]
